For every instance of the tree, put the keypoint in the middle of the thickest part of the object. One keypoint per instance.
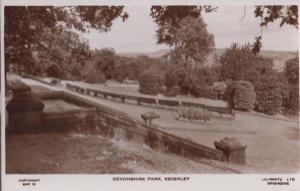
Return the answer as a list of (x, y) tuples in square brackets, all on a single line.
[(144, 62), (26, 25), (268, 14), (105, 60), (168, 18), (55, 71), (93, 75), (184, 31), (191, 43), (151, 82), (291, 70), (64, 48), (239, 63)]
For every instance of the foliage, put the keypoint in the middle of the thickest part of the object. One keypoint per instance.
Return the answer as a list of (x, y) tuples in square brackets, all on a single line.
[(64, 48), (293, 104), (191, 45), (151, 82), (285, 89), (196, 83), (270, 13), (268, 94), (208, 74), (244, 96), (239, 63), (236, 60), (55, 71), (105, 60), (172, 91), (171, 77), (25, 27), (93, 75), (189, 39), (191, 42), (168, 18), (192, 113), (131, 68), (229, 94), (199, 88), (291, 70)]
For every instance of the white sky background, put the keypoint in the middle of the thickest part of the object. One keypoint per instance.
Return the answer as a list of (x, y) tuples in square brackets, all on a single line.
[(137, 33)]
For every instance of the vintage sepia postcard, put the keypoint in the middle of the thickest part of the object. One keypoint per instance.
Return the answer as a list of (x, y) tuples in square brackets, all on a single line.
[(183, 95)]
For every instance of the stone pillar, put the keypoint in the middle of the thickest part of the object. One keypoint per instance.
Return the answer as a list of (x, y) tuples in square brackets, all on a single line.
[(234, 152), (24, 110)]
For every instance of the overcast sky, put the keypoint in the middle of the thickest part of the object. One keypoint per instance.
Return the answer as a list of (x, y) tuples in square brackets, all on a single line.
[(137, 34)]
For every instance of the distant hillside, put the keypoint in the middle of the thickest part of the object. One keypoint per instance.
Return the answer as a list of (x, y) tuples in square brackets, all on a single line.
[(279, 57)]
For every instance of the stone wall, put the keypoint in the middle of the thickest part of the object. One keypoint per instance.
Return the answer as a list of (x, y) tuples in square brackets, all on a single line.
[(96, 118)]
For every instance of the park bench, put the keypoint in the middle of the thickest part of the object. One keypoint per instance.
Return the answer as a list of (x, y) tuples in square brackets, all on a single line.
[(222, 110), (99, 93), (76, 88), (191, 104), (114, 96), (169, 104), (69, 86), (89, 91), (146, 101), (128, 97), (81, 90)]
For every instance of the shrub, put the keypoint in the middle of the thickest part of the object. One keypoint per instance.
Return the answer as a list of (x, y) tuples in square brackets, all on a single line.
[(37, 71), (94, 76), (192, 113), (293, 106), (172, 91), (55, 71), (151, 82), (199, 91), (268, 94), (229, 94), (171, 76), (291, 70), (285, 90), (244, 96)]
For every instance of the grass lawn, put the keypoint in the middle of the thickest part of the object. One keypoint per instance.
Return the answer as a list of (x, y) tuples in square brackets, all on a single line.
[(93, 154)]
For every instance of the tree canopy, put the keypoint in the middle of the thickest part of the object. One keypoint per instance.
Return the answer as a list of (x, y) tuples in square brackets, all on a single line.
[(171, 15), (25, 26), (239, 63)]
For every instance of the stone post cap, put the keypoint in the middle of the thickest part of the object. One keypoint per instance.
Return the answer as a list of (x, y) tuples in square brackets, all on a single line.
[(230, 143)]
